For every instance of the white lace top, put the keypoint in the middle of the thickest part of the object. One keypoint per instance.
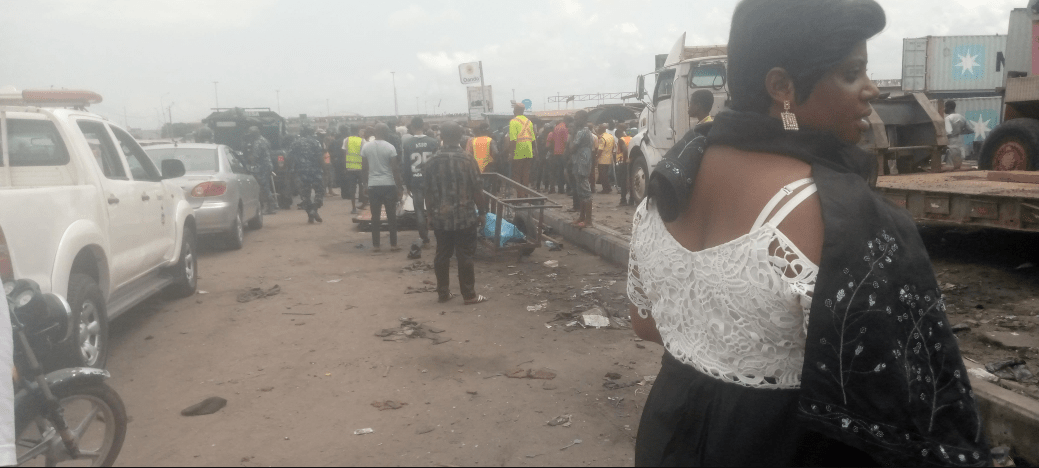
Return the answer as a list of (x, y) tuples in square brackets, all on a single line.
[(737, 311)]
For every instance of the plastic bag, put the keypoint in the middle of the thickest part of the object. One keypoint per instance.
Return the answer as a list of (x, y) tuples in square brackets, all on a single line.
[(509, 232)]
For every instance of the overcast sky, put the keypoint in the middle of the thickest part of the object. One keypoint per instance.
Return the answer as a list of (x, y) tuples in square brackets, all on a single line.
[(336, 56)]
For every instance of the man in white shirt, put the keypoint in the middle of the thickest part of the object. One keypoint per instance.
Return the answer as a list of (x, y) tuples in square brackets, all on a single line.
[(956, 126), (384, 183)]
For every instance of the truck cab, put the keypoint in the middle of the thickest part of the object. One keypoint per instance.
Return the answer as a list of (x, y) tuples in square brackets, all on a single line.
[(665, 118)]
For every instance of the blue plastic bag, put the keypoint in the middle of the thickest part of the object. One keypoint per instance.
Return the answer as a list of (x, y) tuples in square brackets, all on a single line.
[(509, 231)]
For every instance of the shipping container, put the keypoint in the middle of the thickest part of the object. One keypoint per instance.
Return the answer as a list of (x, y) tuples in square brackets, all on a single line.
[(942, 64), (1019, 40), (983, 113)]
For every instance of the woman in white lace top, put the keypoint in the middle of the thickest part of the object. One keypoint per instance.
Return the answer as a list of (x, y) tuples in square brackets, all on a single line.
[(723, 275)]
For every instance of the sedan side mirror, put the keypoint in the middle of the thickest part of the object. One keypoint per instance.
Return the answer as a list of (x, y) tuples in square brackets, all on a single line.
[(173, 168)]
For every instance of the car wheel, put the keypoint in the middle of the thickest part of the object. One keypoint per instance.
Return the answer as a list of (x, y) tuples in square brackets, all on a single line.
[(185, 273), (1012, 146), (639, 179), (90, 322), (257, 221), (236, 236)]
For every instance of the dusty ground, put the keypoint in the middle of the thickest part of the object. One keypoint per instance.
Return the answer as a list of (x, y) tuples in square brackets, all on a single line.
[(301, 369)]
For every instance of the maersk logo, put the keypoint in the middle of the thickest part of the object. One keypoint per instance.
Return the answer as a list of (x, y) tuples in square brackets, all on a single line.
[(968, 63)]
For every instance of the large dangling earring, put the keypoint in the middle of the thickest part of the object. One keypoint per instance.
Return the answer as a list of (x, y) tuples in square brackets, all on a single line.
[(789, 119)]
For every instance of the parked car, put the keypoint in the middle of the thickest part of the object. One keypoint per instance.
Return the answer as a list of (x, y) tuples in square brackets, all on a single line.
[(87, 214), (224, 195)]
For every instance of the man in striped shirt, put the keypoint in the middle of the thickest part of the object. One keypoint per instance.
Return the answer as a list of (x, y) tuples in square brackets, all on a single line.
[(454, 194)]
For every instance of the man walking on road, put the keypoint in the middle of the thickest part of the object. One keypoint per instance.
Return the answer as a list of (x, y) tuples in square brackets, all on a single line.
[(309, 158), (262, 168), (455, 195), (557, 160), (384, 183), (353, 175), (606, 149), (418, 148), (521, 145)]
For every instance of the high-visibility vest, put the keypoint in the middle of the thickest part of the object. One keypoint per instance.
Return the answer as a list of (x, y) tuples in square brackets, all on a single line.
[(526, 133), (482, 151), (353, 153)]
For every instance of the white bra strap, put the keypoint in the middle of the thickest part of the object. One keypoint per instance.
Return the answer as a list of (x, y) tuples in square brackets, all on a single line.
[(783, 193), (793, 203)]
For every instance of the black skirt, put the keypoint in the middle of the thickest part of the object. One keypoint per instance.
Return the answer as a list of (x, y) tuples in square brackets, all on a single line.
[(692, 419)]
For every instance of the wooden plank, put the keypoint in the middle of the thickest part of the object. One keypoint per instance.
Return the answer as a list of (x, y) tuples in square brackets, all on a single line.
[(1023, 177), (973, 183)]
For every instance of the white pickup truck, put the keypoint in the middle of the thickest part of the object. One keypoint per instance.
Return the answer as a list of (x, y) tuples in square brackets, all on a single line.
[(86, 213)]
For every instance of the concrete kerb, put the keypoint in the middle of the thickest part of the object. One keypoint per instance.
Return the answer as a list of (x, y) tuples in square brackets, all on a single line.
[(1010, 419)]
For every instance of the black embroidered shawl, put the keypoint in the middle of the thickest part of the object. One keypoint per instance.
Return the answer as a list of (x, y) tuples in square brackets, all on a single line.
[(882, 369)]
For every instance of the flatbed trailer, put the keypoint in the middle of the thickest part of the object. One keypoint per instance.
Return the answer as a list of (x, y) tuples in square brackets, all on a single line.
[(979, 199)]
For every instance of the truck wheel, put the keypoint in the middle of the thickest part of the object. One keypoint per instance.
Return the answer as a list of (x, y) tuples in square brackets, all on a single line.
[(185, 273), (257, 221), (88, 346), (639, 179), (236, 236), (1012, 146)]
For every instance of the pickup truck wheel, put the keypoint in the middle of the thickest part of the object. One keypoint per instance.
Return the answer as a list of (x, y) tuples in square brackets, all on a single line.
[(257, 221), (236, 236), (186, 271), (89, 342), (639, 179), (1012, 146)]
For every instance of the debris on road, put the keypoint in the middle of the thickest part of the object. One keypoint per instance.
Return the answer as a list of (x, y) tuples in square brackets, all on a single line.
[(418, 265), (611, 385), (412, 329), (553, 246), (258, 293), (423, 289), (595, 318), (388, 405), (1010, 369), (334, 280), (575, 442), (208, 406), (364, 431), (541, 374), (538, 307), (552, 263), (564, 420), (982, 374)]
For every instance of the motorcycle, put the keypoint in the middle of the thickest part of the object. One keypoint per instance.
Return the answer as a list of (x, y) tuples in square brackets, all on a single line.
[(66, 415)]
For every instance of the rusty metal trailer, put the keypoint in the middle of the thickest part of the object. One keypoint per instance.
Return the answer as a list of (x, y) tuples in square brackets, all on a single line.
[(978, 199), (502, 206)]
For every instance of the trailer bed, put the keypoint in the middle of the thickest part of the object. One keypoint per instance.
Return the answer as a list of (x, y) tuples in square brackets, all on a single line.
[(967, 198)]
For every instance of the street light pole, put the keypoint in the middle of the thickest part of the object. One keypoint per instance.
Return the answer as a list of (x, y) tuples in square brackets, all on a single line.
[(395, 111), (277, 94), (216, 95)]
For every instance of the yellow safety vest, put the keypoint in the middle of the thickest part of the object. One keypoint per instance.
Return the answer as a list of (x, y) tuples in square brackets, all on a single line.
[(481, 151), (526, 132), (353, 153)]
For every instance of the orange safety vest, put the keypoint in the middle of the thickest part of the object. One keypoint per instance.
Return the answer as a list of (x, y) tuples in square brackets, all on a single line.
[(481, 147), (623, 157)]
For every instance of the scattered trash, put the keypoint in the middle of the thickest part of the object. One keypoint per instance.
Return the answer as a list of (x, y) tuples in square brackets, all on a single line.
[(531, 374), (411, 329), (418, 266), (982, 374), (208, 406), (575, 442), (573, 323), (552, 246), (415, 253), (509, 231), (1025, 266), (564, 420), (537, 307), (960, 327), (364, 431), (548, 326), (1010, 369), (423, 289), (388, 405), (552, 263), (595, 318), (335, 280), (258, 293), (203, 292)]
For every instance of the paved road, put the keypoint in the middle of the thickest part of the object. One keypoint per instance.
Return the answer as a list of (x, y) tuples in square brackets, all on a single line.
[(302, 368)]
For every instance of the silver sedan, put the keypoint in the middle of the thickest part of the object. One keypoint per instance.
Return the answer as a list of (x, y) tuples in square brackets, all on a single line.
[(218, 186)]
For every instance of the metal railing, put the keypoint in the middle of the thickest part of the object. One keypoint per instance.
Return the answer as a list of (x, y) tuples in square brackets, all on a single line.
[(525, 199)]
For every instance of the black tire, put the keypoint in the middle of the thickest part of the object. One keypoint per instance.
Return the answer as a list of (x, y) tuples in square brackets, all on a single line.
[(1013, 145), (111, 413), (639, 179), (185, 273), (88, 346), (257, 222), (236, 236)]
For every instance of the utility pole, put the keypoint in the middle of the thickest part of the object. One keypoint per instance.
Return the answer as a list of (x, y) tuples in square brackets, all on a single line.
[(328, 109), (395, 111), (216, 95), (277, 94)]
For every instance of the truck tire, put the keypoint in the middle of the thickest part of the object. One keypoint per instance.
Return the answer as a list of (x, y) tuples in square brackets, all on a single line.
[(236, 236), (89, 344), (185, 273), (639, 179), (1012, 146)]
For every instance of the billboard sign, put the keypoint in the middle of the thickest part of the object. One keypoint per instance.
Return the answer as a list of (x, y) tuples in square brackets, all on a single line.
[(477, 104), (469, 73)]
